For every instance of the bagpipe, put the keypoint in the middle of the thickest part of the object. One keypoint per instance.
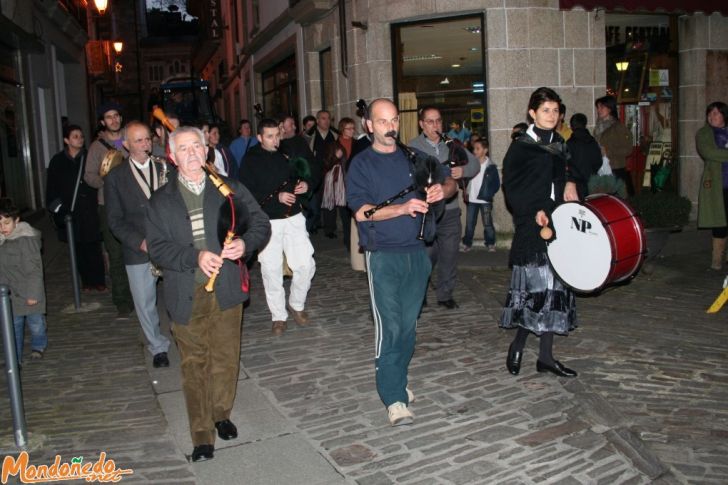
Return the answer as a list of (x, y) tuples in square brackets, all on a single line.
[(301, 171), (457, 153), (426, 170), (233, 219)]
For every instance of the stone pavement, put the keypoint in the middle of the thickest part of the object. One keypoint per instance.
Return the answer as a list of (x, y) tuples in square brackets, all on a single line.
[(649, 405)]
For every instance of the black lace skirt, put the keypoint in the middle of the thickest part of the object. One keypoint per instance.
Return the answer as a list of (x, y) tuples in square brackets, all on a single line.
[(538, 301)]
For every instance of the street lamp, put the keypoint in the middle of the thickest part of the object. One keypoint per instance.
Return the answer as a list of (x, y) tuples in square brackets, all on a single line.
[(101, 5), (118, 46), (622, 66)]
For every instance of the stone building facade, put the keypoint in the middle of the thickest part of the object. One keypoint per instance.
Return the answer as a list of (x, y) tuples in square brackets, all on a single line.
[(528, 43)]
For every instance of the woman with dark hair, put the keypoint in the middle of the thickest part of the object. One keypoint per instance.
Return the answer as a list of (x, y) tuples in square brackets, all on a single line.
[(712, 144), (67, 192), (614, 138), (534, 176), (334, 193)]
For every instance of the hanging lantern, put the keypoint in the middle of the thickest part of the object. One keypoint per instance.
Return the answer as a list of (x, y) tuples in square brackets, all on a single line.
[(101, 5)]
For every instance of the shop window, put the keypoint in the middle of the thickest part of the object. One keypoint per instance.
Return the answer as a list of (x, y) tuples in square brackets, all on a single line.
[(440, 63), (642, 75), (280, 88), (327, 79)]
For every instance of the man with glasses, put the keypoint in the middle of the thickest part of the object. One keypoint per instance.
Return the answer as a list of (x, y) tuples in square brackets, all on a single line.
[(444, 251), (397, 262)]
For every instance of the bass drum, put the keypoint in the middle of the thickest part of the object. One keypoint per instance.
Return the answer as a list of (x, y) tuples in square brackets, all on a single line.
[(598, 243)]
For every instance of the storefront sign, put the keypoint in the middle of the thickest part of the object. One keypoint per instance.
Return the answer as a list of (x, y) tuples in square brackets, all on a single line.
[(659, 77), (96, 57), (214, 19)]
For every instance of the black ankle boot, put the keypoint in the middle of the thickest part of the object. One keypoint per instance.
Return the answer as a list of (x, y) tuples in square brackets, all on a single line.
[(513, 361)]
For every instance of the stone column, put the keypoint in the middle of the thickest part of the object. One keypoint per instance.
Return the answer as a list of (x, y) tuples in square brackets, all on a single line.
[(703, 45)]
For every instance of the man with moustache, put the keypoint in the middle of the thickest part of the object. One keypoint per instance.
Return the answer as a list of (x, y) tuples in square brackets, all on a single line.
[(127, 190), (265, 172), (444, 251), (110, 138), (397, 262), (182, 238)]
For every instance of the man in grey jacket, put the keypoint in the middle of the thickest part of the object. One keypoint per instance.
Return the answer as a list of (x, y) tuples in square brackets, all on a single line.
[(127, 190), (183, 226), (444, 251)]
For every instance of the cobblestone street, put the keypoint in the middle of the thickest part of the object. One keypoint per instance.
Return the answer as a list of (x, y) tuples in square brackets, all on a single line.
[(648, 405)]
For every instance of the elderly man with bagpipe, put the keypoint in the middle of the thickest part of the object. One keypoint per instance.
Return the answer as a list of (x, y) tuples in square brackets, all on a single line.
[(199, 229)]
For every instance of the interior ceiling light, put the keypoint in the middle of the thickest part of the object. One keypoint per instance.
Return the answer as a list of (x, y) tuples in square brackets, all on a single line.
[(473, 30), (455, 65), (428, 57), (445, 81), (474, 49)]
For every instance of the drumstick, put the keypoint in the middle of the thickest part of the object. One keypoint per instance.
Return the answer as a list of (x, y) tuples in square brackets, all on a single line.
[(546, 233)]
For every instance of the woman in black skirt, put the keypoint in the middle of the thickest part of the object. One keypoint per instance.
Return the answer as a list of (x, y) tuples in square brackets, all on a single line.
[(534, 177)]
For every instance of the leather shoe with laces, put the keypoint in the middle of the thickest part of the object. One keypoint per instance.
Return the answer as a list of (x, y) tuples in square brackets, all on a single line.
[(203, 452), (160, 360), (449, 304), (513, 361), (557, 368), (226, 430), (279, 326)]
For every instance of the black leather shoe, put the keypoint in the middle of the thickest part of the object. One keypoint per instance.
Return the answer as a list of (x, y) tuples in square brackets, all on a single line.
[(557, 369), (226, 430), (449, 304), (203, 452), (513, 361), (160, 360)]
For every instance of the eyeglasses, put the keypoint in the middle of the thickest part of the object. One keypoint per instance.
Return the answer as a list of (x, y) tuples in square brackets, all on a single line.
[(438, 121)]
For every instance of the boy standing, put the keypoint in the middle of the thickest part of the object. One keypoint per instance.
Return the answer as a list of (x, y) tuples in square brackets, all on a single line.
[(21, 269), (481, 190)]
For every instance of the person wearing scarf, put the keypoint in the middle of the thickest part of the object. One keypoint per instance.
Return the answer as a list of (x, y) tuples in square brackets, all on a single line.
[(534, 178), (712, 144)]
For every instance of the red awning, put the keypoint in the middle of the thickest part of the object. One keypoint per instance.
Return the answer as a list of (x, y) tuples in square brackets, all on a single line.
[(661, 6)]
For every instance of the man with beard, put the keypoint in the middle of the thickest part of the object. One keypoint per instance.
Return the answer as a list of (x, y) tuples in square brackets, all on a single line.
[(110, 138)]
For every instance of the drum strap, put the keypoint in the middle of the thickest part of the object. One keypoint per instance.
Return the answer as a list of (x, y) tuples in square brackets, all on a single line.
[(558, 148)]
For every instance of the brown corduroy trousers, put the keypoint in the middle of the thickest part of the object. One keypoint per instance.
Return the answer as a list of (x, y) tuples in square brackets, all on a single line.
[(209, 347)]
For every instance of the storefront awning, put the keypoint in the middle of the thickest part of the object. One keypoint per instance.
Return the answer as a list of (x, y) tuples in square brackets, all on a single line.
[(645, 6)]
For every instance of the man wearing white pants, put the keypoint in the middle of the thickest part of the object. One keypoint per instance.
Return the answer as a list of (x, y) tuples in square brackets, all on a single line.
[(275, 185)]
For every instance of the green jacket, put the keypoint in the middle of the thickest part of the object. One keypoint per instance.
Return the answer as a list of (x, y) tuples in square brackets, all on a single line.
[(711, 211)]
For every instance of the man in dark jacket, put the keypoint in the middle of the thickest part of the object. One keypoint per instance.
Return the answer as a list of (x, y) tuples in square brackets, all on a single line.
[(127, 189), (586, 158), (183, 239), (272, 181)]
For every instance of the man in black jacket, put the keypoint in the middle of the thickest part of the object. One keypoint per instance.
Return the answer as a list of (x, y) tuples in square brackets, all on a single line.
[(183, 238), (586, 158), (272, 181), (127, 189)]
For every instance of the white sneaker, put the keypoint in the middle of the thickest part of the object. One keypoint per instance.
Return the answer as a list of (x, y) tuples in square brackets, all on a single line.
[(399, 414), (491, 249), (410, 396), (463, 248)]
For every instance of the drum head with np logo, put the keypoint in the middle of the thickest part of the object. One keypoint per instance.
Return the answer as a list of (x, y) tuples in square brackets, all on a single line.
[(581, 254)]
